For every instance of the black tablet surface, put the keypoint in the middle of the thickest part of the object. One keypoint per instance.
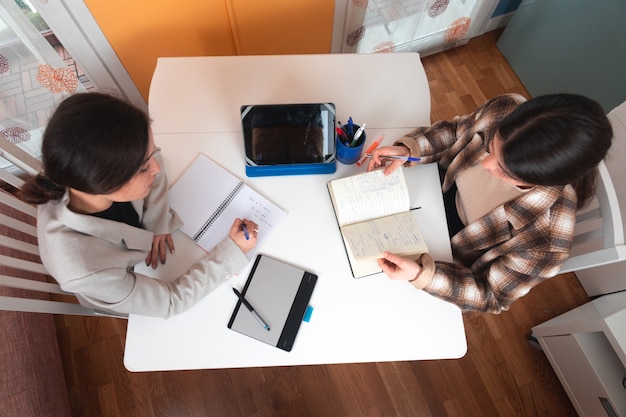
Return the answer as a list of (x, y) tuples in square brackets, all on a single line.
[(288, 139)]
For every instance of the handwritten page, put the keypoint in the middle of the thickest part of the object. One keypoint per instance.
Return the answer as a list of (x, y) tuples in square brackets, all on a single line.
[(398, 234), (208, 198), (375, 215), (369, 195)]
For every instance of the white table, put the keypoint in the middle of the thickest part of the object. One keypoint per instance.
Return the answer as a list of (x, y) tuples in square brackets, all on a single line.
[(195, 104)]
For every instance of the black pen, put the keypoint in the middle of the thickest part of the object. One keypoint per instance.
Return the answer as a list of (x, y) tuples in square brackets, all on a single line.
[(249, 307)]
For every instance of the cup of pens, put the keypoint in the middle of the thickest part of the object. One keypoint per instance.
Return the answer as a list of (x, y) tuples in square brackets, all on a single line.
[(350, 140)]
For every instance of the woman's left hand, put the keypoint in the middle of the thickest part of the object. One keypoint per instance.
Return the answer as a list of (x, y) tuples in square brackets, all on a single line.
[(160, 244)]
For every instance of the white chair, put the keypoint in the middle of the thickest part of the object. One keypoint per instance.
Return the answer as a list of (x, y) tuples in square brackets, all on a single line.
[(599, 232), (24, 278)]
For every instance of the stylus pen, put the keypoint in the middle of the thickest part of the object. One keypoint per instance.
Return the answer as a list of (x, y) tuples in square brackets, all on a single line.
[(252, 310), (402, 158)]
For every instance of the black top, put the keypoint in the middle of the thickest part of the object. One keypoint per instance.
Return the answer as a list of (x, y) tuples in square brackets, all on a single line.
[(120, 212)]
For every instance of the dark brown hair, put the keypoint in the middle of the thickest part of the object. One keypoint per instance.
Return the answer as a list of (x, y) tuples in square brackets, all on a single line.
[(93, 143), (556, 139)]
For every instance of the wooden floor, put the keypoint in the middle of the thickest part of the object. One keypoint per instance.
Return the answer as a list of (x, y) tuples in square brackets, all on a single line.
[(501, 375)]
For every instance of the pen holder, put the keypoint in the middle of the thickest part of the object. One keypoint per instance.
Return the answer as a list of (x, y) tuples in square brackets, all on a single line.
[(347, 154)]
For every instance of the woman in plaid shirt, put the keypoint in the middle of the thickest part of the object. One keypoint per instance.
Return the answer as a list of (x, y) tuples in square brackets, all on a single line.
[(514, 172)]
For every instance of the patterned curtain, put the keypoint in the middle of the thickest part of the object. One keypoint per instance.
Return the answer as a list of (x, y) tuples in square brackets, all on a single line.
[(33, 76), (424, 26)]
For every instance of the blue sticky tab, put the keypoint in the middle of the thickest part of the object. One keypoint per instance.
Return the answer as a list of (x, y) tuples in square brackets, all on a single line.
[(307, 314)]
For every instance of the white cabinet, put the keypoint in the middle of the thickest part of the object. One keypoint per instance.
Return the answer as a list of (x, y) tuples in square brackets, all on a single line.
[(587, 349)]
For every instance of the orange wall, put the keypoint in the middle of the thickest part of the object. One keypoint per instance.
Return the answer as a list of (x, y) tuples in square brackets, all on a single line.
[(141, 32), (279, 27)]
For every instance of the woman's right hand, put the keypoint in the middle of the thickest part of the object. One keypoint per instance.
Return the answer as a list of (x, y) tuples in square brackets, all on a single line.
[(377, 160), (419, 273), (238, 235)]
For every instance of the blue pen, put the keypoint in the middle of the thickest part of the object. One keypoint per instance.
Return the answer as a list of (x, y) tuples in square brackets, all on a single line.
[(402, 158), (245, 231), (350, 126)]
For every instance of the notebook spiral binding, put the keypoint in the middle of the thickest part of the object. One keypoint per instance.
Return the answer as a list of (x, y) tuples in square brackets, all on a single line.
[(217, 213)]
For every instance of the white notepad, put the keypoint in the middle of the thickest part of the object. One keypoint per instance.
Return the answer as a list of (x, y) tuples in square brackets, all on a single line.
[(208, 198)]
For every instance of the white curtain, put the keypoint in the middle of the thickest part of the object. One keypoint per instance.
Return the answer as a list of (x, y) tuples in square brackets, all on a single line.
[(33, 77), (424, 26)]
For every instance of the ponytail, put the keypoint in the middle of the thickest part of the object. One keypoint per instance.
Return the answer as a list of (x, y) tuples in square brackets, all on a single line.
[(585, 187), (40, 189)]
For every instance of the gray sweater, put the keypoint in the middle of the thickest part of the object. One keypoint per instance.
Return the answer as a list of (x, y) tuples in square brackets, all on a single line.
[(94, 258)]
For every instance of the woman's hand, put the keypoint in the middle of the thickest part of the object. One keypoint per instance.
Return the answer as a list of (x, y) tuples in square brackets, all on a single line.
[(238, 235), (160, 244), (377, 160), (419, 273)]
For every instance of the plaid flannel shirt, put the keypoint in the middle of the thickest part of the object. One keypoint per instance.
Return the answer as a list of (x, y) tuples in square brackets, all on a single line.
[(500, 257)]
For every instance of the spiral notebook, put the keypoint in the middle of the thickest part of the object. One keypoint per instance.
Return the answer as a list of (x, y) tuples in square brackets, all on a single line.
[(208, 198)]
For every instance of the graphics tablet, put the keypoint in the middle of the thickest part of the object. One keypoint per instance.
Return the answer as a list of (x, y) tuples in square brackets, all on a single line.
[(280, 294)]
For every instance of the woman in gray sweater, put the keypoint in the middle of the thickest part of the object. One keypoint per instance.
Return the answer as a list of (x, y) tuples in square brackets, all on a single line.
[(102, 209)]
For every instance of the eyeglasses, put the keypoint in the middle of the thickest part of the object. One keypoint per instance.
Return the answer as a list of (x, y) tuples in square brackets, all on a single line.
[(145, 165)]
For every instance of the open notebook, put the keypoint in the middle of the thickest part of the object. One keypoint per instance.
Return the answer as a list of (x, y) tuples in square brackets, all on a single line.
[(208, 198)]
